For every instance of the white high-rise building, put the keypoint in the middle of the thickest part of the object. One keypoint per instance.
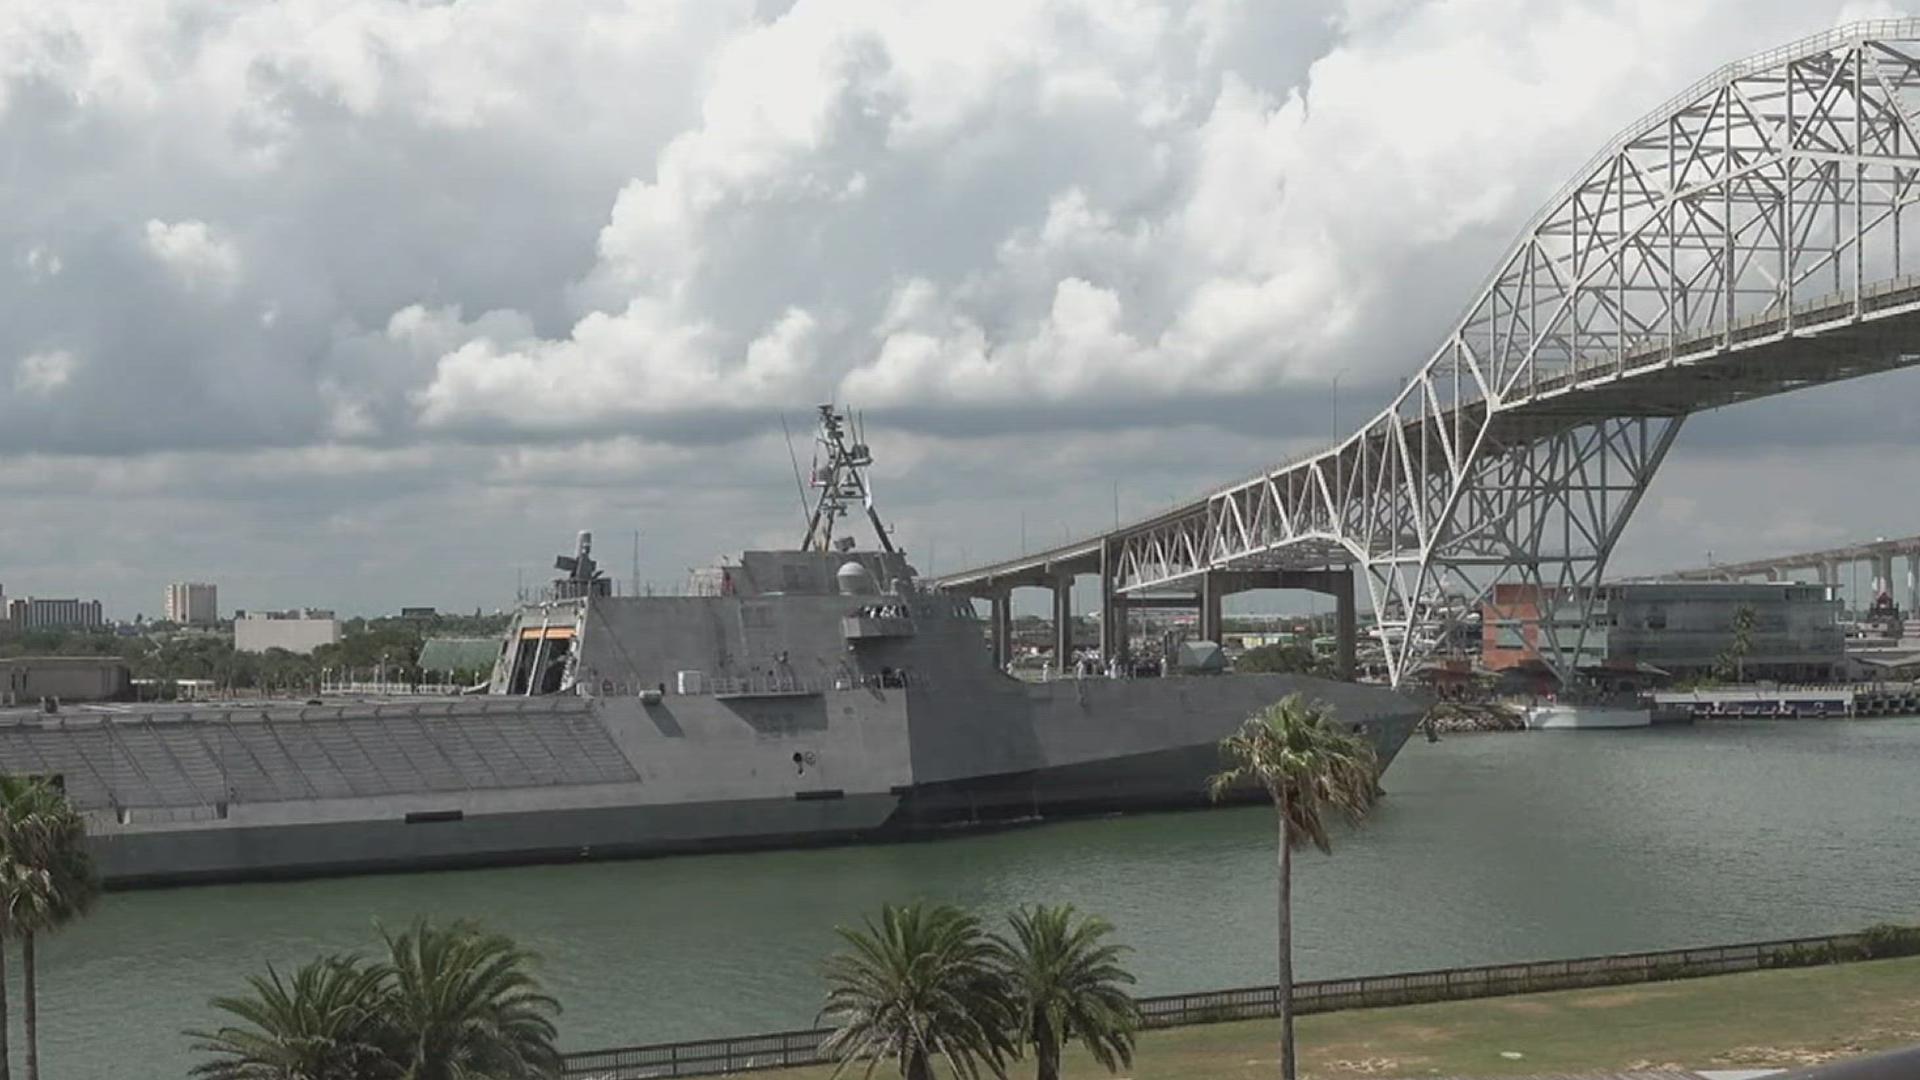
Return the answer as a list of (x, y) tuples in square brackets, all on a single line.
[(192, 603)]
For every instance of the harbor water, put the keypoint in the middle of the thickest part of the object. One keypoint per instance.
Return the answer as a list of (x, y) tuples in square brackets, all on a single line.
[(1488, 848)]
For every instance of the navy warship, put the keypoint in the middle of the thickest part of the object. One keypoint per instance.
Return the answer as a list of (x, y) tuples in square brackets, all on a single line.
[(809, 696)]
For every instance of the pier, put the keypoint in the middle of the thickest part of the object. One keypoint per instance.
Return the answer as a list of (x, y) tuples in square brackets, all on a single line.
[(1835, 702)]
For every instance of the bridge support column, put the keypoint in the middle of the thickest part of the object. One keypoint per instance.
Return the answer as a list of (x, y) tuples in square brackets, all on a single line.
[(1337, 583), (1063, 623), (1346, 620), (1913, 584), (1113, 607), (1883, 573), (1002, 600), (1211, 594)]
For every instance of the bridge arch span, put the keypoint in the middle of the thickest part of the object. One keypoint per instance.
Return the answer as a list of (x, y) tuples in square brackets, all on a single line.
[(1752, 236)]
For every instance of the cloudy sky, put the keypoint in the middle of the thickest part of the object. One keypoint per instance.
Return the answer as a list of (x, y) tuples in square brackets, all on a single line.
[(368, 303)]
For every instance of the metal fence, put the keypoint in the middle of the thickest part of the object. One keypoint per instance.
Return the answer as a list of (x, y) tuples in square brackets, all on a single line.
[(708, 1057)]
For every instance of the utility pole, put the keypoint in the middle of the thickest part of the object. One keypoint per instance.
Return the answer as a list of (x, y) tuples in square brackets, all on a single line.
[(1335, 409), (635, 579)]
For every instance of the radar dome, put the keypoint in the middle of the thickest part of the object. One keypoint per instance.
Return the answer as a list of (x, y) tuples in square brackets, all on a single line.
[(854, 579)]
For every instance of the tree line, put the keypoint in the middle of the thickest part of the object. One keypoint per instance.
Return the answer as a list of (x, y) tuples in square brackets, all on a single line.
[(166, 653)]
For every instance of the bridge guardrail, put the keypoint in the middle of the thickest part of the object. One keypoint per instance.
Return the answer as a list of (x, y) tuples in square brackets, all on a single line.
[(786, 1049)]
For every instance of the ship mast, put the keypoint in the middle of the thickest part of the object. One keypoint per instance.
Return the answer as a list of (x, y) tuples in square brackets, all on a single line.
[(839, 476)]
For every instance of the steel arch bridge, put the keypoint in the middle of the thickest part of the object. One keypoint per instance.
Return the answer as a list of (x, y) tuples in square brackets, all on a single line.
[(1745, 239)]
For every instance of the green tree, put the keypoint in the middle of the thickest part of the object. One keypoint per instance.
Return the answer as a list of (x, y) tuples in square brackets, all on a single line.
[(47, 880), (1732, 662), (464, 1006), (924, 983), (1283, 660), (1067, 984), (324, 1025), (1309, 764)]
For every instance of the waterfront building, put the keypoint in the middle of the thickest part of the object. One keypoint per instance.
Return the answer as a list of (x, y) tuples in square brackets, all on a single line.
[(300, 630), (28, 679), (1677, 628), (192, 603), (35, 613)]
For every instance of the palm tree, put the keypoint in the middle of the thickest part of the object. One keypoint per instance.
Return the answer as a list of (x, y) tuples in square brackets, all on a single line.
[(922, 984), (1309, 764), (324, 1025), (1732, 661), (1068, 984), (462, 1005), (46, 881)]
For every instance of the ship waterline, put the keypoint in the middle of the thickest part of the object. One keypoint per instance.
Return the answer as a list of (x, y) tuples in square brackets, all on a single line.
[(304, 791)]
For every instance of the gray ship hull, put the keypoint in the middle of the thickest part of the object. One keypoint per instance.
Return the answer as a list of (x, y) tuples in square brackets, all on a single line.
[(779, 711), (563, 823)]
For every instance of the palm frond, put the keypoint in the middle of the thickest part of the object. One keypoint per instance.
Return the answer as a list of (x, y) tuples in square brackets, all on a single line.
[(1068, 984), (921, 984), (1308, 762)]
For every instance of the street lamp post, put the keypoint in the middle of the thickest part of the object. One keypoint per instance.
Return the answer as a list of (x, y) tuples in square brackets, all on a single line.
[(1334, 408)]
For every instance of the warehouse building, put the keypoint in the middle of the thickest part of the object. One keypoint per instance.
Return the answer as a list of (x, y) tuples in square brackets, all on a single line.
[(29, 680)]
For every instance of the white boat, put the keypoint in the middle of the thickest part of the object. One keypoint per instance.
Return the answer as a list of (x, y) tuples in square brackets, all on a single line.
[(1558, 717)]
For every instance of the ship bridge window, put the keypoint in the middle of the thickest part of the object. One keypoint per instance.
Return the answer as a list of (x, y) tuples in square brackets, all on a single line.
[(540, 664)]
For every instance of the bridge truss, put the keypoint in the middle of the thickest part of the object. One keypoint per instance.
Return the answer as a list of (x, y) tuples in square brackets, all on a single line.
[(1748, 238)]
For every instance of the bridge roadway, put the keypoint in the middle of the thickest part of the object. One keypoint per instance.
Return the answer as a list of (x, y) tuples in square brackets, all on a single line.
[(1747, 239), (1879, 554)]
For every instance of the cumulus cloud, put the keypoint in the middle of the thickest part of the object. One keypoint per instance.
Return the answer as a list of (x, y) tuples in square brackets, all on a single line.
[(192, 252), (42, 262), (506, 237), (40, 374)]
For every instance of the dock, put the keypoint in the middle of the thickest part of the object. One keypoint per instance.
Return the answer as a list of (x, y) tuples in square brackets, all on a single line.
[(1834, 702)]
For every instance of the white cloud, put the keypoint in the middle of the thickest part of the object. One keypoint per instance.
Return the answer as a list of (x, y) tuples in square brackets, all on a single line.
[(1090, 204), (195, 254), (42, 374), (42, 262)]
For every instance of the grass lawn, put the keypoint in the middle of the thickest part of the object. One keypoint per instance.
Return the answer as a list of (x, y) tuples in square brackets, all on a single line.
[(1792, 1017)]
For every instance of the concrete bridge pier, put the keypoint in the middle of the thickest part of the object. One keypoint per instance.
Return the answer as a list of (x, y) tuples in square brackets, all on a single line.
[(1212, 620), (1913, 584), (1337, 583), (1062, 622), (1883, 573), (1001, 600), (1113, 606), (1346, 625)]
